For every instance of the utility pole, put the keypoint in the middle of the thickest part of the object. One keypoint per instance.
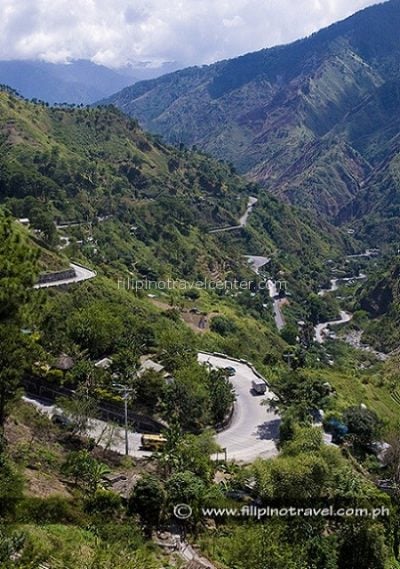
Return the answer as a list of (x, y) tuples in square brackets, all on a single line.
[(288, 358), (125, 392)]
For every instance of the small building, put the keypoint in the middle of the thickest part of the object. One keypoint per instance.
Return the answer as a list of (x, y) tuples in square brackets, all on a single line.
[(64, 363), (151, 365), (104, 363)]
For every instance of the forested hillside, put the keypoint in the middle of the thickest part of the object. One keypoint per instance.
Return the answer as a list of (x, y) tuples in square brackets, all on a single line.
[(87, 186), (380, 300), (97, 168)]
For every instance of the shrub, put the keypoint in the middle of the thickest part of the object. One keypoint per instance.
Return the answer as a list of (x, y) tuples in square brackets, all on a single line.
[(104, 502), (11, 487), (147, 500), (192, 294), (55, 509), (222, 325)]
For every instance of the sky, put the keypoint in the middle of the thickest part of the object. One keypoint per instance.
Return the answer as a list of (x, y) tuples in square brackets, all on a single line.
[(120, 32)]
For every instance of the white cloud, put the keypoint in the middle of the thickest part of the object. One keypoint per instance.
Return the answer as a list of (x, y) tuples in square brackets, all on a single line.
[(187, 31)]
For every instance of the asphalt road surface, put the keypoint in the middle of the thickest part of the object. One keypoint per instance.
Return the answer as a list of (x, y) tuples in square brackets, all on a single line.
[(105, 434), (242, 221), (250, 435), (322, 329), (274, 295), (254, 428), (257, 262)]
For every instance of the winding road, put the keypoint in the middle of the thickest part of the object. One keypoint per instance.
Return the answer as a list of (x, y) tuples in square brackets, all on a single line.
[(274, 295), (334, 283), (321, 330), (242, 221), (254, 427), (257, 262)]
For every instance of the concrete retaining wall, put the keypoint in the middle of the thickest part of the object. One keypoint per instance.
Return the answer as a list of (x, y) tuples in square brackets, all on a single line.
[(57, 276)]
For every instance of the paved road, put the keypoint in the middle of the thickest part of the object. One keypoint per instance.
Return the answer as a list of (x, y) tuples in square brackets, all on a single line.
[(278, 316), (250, 204), (81, 274), (242, 221), (257, 262), (251, 434), (322, 329), (368, 253), (254, 428), (333, 287), (338, 280), (106, 434)]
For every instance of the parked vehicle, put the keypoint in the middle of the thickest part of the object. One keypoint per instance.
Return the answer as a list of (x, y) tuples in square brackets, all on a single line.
[(230, 370), (259, 386), (153, 442)]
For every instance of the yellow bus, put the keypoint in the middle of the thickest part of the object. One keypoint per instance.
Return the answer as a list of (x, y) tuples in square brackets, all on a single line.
[(153, 442)]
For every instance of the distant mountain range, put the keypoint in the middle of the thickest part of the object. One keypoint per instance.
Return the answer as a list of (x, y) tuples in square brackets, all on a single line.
[(79, 81), (316, 122)]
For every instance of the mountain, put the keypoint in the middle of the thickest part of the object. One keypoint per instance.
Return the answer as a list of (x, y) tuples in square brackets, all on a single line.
[(283, 116), (100, 192), (79, 82), (375, 210)]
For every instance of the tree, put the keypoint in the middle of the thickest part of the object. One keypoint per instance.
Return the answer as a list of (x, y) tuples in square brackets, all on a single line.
[(125, 364), (18, 264), (186, 488), (362, 544), (222, 395), (148, 500), (289, 333), (222, 325), (11, 487), (292, 480), (363, 425), (301, 393), (150, 389), (43, 221), (178, 348), (80, 409), (194, 452), (286, 428), (170, 458), (304, 440), (86, 470), (187, 398), (97, 328)]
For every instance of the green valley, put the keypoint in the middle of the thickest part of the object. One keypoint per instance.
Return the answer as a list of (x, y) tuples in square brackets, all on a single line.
[(199, 338)]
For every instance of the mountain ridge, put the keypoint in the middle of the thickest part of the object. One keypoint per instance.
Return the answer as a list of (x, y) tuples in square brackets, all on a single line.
[(264, 110)]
